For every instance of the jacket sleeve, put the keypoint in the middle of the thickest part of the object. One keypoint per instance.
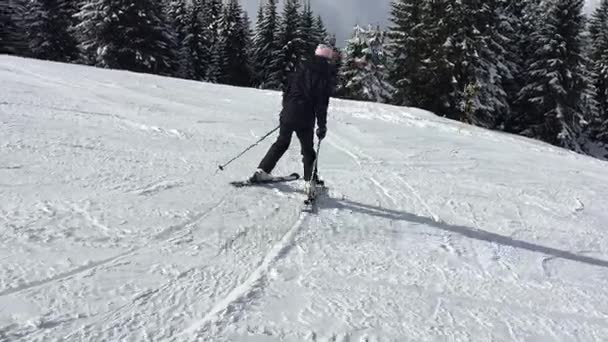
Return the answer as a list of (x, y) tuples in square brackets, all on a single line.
[(322, 102), (287, 88)]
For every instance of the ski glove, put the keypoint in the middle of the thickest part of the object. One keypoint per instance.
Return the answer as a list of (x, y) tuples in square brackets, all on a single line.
[(321, 132)]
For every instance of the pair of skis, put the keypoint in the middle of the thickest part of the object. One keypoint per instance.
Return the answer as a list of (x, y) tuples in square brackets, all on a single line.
[(313, 189), (311, 196)]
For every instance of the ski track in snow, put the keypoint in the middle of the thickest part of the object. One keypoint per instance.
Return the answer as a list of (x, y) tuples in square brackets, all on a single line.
[(153, 189), (431, 230), (240, 295), (63, 276), (166, 236)]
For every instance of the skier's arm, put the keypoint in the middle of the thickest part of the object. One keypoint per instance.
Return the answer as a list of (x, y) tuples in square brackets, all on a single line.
[(326, 90), (286, 89), (322, 103), (321, 110)]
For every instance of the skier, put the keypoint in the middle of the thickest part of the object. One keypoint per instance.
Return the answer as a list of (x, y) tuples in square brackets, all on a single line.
[(305, 100)]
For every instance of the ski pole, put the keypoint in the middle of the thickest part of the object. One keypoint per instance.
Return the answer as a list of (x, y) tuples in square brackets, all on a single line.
[(222, 167), (314, 166)]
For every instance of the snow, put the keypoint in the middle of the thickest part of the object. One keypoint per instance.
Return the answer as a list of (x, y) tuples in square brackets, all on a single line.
[(116, 226)]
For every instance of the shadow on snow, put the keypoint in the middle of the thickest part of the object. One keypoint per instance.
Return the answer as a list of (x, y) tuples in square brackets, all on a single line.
[(327, 202)]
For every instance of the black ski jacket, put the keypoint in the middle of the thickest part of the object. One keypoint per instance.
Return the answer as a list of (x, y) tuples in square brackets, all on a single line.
[(306, 98)]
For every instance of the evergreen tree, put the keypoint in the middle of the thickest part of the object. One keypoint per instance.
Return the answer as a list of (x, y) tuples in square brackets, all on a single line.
[(257, 60), (419, 41), (12, 35), (249, 48), (433, 83), (363, 74), (212, 14), (309, 35), (177, 14), (264, 42), (196, 41), (478, 96), (232, 46), (48, 24), (351, 71), (179, 18), (407, 34), (502, 37), (523, 19), (599, 35), (123, 34), (290, 46), (449, 57), (260, 14), (495, 70), (320, 31), (556, 94)]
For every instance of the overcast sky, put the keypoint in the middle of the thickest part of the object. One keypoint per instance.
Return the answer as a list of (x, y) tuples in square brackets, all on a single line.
[(341, 15)]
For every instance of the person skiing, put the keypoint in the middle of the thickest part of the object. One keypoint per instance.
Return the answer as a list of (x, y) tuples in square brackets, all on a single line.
[(305, 100)]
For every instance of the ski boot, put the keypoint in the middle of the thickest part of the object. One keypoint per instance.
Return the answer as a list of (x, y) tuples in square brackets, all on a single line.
[(260, 176)]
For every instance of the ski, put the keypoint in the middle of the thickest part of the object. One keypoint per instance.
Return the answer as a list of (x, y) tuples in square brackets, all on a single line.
[(276, 179)]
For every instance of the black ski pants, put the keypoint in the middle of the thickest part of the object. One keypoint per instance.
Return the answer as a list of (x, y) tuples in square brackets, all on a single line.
[(278, 149)]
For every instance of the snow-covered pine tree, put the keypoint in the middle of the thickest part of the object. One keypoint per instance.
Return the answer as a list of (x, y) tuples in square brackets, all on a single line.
[(212, 14), (496, 68), (320, 30), (257, 63), (264, 42), (407, 35), (12, 35), (247, 29), (289, 46), (196, 40), (176, 12), (558, 86), (363, 75), (349, 75), (124, 34), (478, 96), (419, 67), (233, 66), (309, 36), (179, 18), (448, 56), (433, 77), (260, 14), (511, 16), (377, 58), (598, 30), (523, 19), (48, 24)]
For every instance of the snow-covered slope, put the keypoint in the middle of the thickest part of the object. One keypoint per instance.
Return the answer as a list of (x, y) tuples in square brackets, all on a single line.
[(115, 226)]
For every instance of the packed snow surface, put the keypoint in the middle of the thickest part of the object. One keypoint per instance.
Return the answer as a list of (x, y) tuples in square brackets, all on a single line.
[(115, 225)]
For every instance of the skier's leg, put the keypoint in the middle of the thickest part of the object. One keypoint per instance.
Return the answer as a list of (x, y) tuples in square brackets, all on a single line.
[(277, 149), (306, 137)]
